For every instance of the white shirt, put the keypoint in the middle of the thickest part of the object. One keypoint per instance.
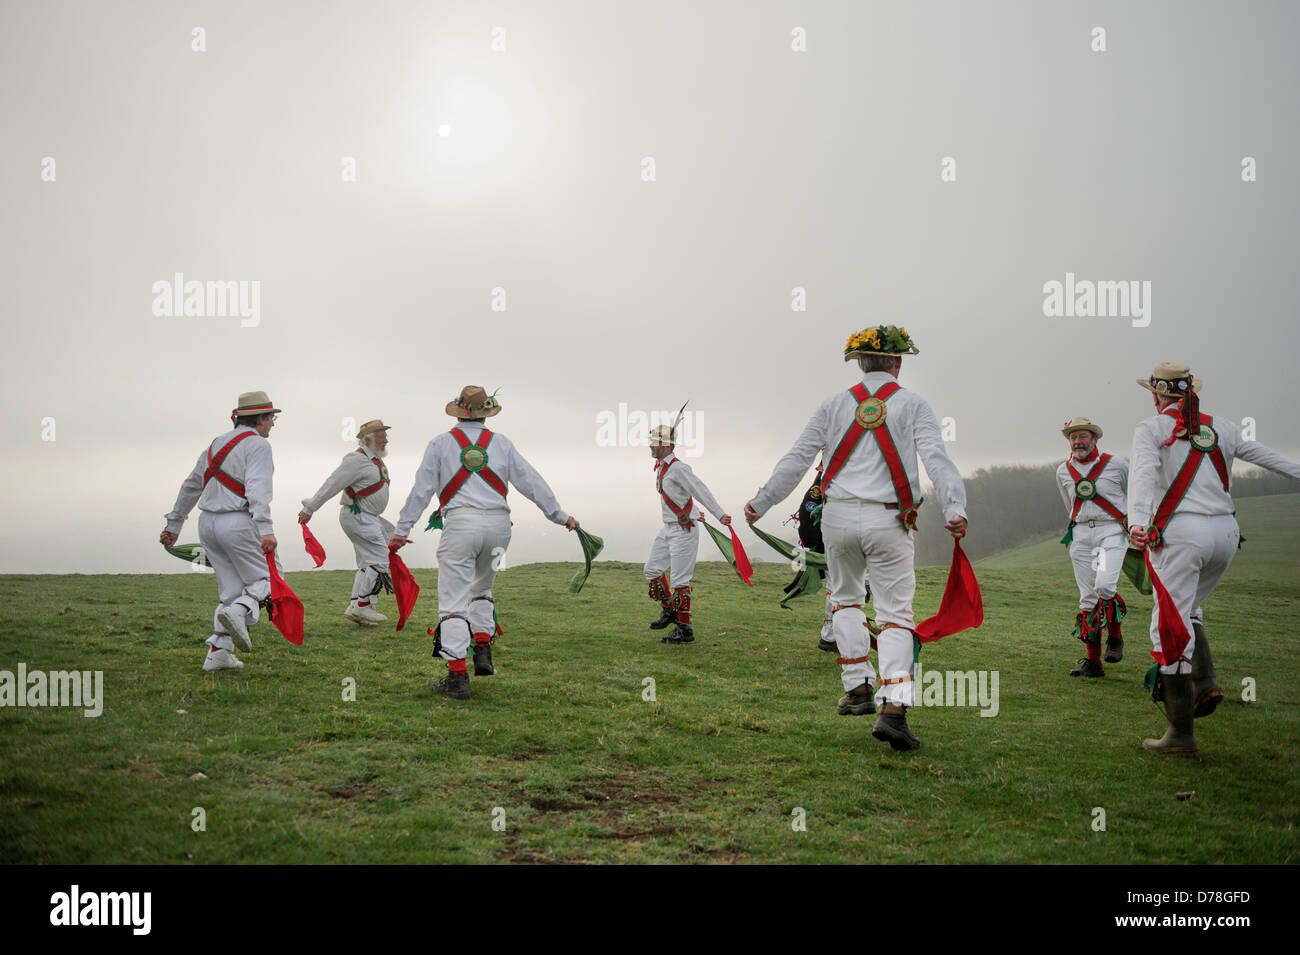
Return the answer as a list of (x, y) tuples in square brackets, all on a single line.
[(357, 471), (1155, 467), (865, 476), (680, 484), (249, 463), (442, 462), (1112, 484)]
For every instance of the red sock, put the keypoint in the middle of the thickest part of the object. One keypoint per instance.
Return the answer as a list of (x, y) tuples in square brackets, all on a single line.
[(482, 639), (456, 666), (1094, 651)]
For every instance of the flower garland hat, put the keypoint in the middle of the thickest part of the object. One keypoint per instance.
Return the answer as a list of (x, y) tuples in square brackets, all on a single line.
[(880, 340)]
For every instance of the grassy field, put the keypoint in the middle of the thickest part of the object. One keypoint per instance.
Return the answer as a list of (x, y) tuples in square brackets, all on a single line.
[(562, 751)]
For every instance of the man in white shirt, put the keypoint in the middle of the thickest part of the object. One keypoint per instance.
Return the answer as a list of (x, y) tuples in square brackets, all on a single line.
[(872, 491), (361, 480), (1094, 488), (470, 468), (671, 564), (1180, 508), (231, 483)]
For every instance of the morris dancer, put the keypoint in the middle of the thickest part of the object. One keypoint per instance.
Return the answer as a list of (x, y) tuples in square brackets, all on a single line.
[(1094, 487), (470, 468), (1181, 511), (671, 564), (231, 483), (872, 495), (361, 480)]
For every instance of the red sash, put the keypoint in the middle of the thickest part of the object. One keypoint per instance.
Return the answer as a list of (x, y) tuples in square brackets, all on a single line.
[(1174, 496), (366, 492), (902, 487), (683, 514), (1096, 498), (483, 471), (214, 465)]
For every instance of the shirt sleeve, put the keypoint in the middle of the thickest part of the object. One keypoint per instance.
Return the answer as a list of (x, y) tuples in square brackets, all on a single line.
[(698, 491), (1252, 452), (191, 488), (258, 471), (343, 476), (947, 479), (1142, 476), (534, 487), (791, 468), (427, 483)]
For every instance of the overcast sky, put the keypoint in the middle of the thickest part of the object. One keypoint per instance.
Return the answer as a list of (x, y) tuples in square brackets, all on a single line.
[(499, 153)]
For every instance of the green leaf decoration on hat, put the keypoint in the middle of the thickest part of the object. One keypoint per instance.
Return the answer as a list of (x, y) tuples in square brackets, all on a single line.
[(190, 553), (591, 546)]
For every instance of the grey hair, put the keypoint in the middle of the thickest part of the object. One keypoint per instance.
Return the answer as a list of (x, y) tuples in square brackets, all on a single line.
[(869, 363)]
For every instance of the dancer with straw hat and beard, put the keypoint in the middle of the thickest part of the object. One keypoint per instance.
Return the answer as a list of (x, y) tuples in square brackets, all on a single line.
[(1094, 487), (361, 481)]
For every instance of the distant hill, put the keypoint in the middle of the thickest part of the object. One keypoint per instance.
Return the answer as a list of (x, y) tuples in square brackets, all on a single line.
[(1271, 526)]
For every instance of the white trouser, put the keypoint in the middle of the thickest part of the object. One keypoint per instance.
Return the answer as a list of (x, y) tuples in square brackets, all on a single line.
[(864, 537), (472, 547), (1098, 557), (674, 550), (1194, 558), (234, 549), (369, 534)]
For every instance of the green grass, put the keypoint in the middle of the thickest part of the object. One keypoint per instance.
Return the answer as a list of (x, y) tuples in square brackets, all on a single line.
[(742, 730)]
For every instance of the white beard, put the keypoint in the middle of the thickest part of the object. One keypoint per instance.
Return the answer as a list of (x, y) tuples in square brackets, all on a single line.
[(373, 451)]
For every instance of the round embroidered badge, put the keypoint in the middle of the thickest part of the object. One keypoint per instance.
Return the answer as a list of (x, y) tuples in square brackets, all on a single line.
[(870, 413)]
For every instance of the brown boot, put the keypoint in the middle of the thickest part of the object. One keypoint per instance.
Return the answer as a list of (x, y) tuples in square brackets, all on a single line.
[(891, 727), (1207, 693), (1178, 739), (857, 701)]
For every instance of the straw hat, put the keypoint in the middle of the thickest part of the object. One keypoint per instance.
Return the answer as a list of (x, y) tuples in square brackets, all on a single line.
[(661, 435), (880, 340), (475, 403), (1080, 424), (253, 403), (370, 427), (1170, 380)]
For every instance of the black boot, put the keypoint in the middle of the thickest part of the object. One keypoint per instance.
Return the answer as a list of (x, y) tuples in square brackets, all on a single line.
[(891, 727), (857, 702), (1088, 667), (665, 618), (483, 659), (682, 633), (1178, 739), (1207, 695), (455, 686)]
